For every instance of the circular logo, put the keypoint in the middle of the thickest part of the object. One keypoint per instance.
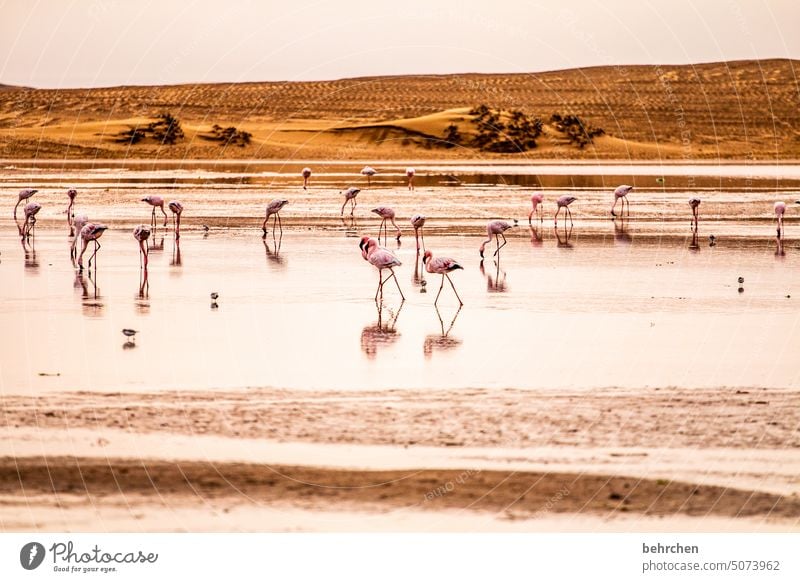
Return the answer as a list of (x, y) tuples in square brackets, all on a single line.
[(31, 555)]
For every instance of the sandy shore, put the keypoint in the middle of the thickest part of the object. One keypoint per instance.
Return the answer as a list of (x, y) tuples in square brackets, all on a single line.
[(507, 459)]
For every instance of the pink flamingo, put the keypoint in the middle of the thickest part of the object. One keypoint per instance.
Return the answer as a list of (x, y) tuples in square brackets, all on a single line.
[(410, 173), (386, 213), (418, 221), (78, 223), (156, 202), (141, 233), (621, 193), (91, 232), (306, 175), (441, 266), (31, 210), (537, 200), (274, 207), (780, 209), (564, 202), (350, 196), (369, 172), (381, 259), (23, 195), (176, 208), (71, 194), (694, 204), (495, 229)]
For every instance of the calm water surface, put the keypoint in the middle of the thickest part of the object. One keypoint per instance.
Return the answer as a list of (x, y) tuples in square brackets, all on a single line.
[(633, 304)]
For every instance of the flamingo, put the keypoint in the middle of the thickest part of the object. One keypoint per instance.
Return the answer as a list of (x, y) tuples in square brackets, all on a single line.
[(694, 204), (141, 233), (274, 207), (418, 221), (564, 202), (156, 202), (78, 223), (780, 208), (23, 195), (621, 193), (350, 196), (386, 213), (71, 194), (441, 266), (306, 175), (410, 173), (31, 210), (536, 200), (91, 232), (176, 208), (369, 172), (381, 259), (495, 229)]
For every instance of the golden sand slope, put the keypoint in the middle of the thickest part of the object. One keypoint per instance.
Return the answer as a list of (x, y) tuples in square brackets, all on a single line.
[(744, 109)]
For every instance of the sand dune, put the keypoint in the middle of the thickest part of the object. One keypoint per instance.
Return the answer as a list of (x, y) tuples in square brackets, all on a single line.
[(743, 109)]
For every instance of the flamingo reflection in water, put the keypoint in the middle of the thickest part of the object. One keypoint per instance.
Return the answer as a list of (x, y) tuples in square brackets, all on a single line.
[(383, 333), (563, 238), (176, 254), (274, 255), (29, 249), (536, 236), (694, 244), (496, 279), (621, 234), (441, 342)]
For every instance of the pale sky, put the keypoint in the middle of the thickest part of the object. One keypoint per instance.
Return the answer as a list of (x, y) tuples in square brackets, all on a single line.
[(90, 43)]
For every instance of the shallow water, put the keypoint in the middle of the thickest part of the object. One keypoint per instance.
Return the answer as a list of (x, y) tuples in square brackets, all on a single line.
[(603, 308)]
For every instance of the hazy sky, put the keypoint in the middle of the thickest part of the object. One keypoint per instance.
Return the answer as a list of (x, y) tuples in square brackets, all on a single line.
[(85, 43)]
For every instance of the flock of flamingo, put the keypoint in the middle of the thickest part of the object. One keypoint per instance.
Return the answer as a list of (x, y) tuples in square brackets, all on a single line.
[(380, 257)]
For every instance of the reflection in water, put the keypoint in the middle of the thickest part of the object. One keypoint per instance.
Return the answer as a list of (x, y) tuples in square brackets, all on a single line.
[(144, 286), (693, 244), (90, 295), (779, 250), (621, 234), (176, 252), (274, 255), (418, 279), (442, 342), (495, 279), (158, 244), (564, 237), (350, 225), (382, 333), (536, 236), (29, 248)]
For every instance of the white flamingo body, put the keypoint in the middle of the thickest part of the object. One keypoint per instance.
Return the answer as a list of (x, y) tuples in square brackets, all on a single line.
[(537, 201), (274, 208), (381, 259), (410, 172), (23, 195), (418, 221), (441, 266), (780, 210), (621, 193), (141, 233), (31, 210), (386, 213), (495, 229), (564, 202), (350, 196), (694, 204), (177, 209), (156, 202), (91, 232), (368, 171)]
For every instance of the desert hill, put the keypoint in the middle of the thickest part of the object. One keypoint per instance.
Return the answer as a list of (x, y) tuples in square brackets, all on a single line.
[(734, 110)]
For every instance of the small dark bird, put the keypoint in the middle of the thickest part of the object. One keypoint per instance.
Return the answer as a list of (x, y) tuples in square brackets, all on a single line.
[(205, 227), (712, 240), (129, 332), (741, 280), (214, 295)]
